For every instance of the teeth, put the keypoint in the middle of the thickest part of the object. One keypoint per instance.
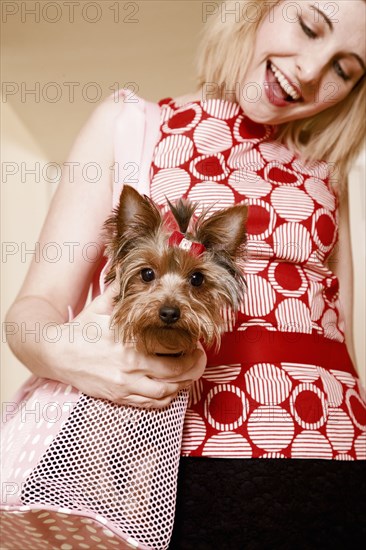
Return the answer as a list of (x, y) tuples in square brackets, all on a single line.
[(284, 83)]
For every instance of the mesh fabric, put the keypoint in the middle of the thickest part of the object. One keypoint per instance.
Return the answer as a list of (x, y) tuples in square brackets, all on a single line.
[(118, 462)]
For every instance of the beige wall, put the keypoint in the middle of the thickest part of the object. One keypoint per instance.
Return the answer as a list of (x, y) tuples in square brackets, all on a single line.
[(23, 208), (148, 43), (357, 184)]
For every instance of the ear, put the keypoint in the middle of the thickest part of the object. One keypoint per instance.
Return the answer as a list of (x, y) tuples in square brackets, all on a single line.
[(224, 230), (136, 214)]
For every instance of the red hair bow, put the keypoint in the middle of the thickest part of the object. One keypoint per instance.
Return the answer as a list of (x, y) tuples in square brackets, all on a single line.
[(178, 239)]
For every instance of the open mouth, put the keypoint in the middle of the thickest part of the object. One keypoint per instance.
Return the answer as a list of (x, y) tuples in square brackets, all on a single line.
[(280, 85)]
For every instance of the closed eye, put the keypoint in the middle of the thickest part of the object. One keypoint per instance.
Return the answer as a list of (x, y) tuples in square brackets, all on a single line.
[(307, 30), (336, 65), (339, 71)]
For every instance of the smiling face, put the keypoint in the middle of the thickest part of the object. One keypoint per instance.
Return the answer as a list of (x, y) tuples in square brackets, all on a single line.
[(307, 57)]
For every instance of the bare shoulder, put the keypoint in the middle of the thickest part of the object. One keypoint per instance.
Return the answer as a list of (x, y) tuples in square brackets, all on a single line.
[(108, 109)]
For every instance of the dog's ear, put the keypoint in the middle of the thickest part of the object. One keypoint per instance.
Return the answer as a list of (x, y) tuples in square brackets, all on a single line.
[(136, 215), (224, 230)]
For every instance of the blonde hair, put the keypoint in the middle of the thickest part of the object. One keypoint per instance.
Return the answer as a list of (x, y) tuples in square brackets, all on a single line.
[(335, 135)]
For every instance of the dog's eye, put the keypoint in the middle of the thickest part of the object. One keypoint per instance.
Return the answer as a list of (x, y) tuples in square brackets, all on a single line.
[(147, 274), (196, 279)]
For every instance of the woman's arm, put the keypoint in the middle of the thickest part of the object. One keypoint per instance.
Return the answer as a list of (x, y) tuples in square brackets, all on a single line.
[(75, 218), (341, 263), (105, 368)]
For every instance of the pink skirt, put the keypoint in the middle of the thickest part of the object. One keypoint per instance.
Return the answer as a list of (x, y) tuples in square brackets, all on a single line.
[(80, 472)]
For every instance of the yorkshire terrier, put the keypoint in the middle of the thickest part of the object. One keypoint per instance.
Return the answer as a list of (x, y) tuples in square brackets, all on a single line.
[(175, 271)]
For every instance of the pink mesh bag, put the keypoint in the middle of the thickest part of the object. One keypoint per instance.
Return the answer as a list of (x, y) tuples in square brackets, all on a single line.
[(80, 472)]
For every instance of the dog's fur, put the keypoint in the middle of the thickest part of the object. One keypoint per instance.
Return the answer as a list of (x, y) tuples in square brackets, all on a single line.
[(138, 239)]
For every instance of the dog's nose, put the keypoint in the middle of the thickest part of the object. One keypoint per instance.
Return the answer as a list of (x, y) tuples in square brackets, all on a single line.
[(169, 314)]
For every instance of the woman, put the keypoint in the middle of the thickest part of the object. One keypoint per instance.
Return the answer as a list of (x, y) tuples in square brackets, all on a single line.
[(281, 86)]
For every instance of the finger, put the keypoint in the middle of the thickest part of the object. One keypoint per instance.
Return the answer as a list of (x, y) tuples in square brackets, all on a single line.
[(199, 356), (104, 304), (187, 367), (144, 403), (200, 362), (153, 389), (159, 398)]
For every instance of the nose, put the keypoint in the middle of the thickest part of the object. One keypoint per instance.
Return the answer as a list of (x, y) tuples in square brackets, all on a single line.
[(169, 314), (310, 68)]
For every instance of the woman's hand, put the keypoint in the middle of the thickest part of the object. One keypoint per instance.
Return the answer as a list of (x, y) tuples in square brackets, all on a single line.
[(89, 356)]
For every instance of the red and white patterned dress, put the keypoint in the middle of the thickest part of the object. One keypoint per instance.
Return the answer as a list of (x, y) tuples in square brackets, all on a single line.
[(282, 385)]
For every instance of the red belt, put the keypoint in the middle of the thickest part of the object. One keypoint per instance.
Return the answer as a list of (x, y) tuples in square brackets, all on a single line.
[(258, 345)]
